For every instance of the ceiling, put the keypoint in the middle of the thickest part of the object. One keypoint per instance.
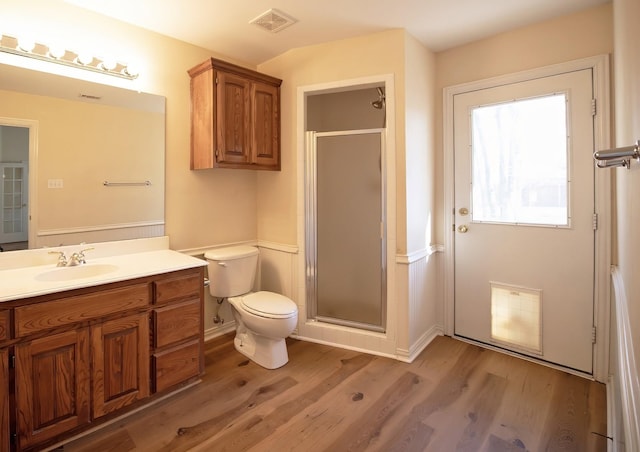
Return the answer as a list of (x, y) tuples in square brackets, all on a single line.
[(222, 26)]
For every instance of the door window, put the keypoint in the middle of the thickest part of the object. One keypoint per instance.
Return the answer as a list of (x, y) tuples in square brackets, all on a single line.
[(520, 162)]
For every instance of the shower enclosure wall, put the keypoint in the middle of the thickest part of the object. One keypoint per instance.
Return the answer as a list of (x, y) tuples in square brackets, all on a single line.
[(345, 228)]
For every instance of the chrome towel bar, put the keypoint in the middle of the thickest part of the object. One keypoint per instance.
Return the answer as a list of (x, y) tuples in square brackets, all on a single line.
[(123, 184)]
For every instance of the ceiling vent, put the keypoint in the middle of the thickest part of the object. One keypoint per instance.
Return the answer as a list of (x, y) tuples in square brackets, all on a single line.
[(273, 21)]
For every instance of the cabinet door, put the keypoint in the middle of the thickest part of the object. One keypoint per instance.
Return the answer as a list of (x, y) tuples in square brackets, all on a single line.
[(52, 386), (266, 125), (233, 119), (4, 400), (120, 358)]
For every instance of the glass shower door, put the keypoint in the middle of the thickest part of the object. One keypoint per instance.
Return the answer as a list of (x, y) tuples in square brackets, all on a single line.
[(348, 257)]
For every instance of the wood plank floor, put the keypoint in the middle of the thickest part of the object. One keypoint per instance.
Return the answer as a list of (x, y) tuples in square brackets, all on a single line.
[(453, 397)]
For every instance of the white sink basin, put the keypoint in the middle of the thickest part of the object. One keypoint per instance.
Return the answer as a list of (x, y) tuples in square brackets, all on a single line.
[(81, 271)]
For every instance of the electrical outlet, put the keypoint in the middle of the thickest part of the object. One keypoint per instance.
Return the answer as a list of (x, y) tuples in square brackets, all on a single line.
[(54, 183)]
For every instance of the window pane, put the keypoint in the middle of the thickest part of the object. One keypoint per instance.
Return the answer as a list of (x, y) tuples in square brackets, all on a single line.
[(519, 162)]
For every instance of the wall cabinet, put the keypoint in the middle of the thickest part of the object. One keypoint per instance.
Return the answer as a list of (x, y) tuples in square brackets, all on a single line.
[(235, 117), (86, 355)]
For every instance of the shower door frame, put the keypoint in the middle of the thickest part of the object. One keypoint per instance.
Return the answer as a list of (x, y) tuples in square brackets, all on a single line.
[(311, 215)]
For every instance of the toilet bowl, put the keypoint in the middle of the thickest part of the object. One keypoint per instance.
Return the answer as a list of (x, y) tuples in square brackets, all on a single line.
[(263, 319)]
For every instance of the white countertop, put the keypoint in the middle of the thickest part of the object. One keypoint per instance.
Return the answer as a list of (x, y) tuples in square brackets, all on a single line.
[(26, 281)]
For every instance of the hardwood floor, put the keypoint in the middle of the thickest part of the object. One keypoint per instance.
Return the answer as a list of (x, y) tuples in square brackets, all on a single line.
[(453, 397)]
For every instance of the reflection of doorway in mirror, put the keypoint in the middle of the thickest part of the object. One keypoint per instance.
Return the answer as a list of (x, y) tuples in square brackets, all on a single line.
[(14, 189)]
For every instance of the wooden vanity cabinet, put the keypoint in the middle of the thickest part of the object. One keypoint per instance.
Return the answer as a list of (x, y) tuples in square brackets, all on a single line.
[(235, 117), (177, 323), (5, 425), (86, 355)]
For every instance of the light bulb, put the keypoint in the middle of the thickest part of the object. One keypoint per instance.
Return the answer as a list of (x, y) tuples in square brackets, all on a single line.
[(26, 43), (84, 58), (131, 70), (108, 64), (56, 51)]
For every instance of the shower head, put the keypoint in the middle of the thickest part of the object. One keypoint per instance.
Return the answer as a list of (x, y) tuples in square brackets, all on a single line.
[(379, 104)]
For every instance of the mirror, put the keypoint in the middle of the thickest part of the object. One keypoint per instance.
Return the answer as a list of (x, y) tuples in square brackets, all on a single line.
[(92, 166)]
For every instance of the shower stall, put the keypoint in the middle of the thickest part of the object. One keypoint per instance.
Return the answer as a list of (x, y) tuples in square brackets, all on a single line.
[(345, 217)]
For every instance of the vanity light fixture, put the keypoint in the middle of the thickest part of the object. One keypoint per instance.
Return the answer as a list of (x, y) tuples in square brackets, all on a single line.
[(57, 54)]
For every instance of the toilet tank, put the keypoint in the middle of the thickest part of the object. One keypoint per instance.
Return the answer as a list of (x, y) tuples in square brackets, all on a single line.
[(232, 270)]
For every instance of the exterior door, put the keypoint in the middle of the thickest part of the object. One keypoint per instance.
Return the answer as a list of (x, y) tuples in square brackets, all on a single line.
[(13, 196), (524, 218)]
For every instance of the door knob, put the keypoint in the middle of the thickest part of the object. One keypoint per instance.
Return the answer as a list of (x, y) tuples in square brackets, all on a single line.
[(463, 228)]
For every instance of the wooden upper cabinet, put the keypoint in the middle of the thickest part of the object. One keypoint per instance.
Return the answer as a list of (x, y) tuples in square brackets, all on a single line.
[(235, 117), (4, 401)]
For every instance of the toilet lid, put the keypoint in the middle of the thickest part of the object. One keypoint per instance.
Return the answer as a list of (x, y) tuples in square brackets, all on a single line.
[(269, 304)]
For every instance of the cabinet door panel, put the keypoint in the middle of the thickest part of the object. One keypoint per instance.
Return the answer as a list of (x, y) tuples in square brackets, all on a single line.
[(176, 365), (52, 386), (120, 351), (266, 127), (4, 400), (4, 325), (176, 322), (44, 316), (179, 287), (233, 118)]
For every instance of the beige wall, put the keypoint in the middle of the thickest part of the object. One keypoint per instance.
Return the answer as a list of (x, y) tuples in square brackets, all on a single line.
[(377, 54), (417, 170), (627, 113), (203, 208), (79, 143), (567, 38), (412, 65)]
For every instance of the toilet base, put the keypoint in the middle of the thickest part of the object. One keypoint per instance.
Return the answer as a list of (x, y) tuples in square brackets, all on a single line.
[(268, 353)]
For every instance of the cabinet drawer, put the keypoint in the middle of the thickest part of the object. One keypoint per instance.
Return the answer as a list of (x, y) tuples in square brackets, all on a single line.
[(52, 314), (176, 322), (176, 365), (4, 325), (178, 287)]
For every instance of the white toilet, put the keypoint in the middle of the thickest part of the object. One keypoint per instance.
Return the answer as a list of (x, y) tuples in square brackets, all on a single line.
[(263, 319)]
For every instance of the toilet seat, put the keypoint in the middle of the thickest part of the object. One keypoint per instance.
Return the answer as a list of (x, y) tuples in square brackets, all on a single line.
[(269, 304)]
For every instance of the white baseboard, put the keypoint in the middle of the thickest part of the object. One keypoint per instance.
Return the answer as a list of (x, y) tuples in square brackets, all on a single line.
[(218, 331), (408, 356), (627, 371)]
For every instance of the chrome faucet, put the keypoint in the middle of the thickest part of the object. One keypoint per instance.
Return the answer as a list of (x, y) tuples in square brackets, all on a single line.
[(78, 258), (62, 259)]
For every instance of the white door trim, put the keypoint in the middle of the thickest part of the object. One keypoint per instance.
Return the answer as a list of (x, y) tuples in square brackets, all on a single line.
[(600, 67), (386, 344), (32, 165)]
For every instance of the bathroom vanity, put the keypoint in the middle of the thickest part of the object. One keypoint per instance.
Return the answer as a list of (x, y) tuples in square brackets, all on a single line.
[(82, 345)]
